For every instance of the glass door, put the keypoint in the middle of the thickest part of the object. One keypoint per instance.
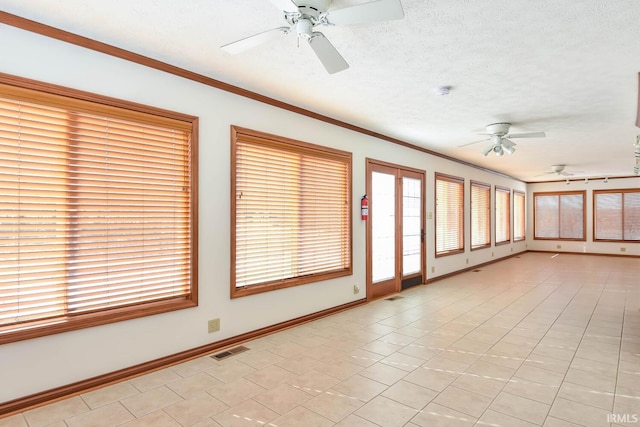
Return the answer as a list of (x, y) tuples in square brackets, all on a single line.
[(412, 229), (395, 229)]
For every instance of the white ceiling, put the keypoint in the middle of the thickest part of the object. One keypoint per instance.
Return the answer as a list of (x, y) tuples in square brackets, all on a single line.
[(569, 69)]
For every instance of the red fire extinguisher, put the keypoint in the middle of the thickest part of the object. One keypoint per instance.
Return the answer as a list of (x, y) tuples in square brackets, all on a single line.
[(364, 208)]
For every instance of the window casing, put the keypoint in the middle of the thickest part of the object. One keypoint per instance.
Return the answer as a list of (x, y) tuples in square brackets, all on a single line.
[(503, 215), (616, 215), (449, 215), (290, 212), (519, 218), (480, 215), (96, 214), (559, 216)]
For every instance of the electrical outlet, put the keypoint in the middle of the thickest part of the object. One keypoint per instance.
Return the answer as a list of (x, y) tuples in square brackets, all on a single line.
[(433, 269), (214, 325), (356, 289), (492, 254), (623, 249), (467, 260), (558, 246)]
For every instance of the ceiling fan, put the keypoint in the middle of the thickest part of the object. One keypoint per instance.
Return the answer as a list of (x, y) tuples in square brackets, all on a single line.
[(302, 16), (558, 170), (501, 139)]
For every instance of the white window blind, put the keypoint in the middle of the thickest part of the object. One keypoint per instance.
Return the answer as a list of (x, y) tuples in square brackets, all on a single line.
[(559, 215), (503, 215), (480, 215), (291, 212), (449, 214), (572, 216), (519, 223), (617, 215), (95, 212)]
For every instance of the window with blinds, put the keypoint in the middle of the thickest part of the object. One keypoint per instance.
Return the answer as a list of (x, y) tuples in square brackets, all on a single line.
[(291, 213), (96, 218), (519, 221), (480, 215), (559, 216), (617, 215), (503, 215), (449, 215)]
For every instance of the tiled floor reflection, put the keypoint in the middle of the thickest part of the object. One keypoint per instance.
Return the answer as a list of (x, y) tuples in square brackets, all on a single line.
[(529, 341)]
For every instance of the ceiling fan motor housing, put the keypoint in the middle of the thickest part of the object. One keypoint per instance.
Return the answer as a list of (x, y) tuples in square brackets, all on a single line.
[(312, 7), (308, 16), (500, 129)]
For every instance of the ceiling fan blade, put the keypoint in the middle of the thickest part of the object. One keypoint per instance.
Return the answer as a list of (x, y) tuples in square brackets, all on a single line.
[(327, 54), (285, 5), (247, 43), (474, 142), (379, 10), (526, 135)]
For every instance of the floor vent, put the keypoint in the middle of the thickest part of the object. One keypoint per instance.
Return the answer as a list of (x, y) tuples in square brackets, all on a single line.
[(230, 352), (394, 298), (477, 271)]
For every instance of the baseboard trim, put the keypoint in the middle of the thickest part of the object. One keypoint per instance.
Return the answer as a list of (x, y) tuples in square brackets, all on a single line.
[(585, 253), (69, 390), (473, 267)]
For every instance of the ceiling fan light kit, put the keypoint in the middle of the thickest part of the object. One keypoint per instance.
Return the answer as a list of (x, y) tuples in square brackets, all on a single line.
[(304, 16)]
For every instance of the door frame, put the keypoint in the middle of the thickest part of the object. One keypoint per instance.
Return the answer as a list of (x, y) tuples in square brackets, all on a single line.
[(371, 165)]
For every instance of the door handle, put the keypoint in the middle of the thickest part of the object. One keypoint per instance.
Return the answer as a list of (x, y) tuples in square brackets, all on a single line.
[(422, 234)]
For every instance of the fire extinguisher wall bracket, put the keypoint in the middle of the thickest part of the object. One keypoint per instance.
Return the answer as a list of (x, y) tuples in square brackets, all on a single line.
[(364, 208)]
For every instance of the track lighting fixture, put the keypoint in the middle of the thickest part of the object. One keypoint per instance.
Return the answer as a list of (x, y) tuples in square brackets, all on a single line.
[(567, 182)]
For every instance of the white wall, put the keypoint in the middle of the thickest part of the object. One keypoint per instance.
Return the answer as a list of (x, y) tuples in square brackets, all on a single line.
[(588, 246), (31, 366)]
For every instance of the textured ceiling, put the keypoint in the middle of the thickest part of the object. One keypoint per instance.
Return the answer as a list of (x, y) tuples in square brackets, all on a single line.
[(569, 69)]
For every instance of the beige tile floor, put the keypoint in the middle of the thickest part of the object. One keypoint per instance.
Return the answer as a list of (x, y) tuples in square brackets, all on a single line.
[(534, 340)]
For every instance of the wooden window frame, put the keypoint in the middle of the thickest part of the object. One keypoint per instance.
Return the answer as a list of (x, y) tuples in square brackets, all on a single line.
[(461, 239), (487, 188), (507, 191), (595, 213), (523, 228), (299, 148), (68, 99), (559, 194)]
